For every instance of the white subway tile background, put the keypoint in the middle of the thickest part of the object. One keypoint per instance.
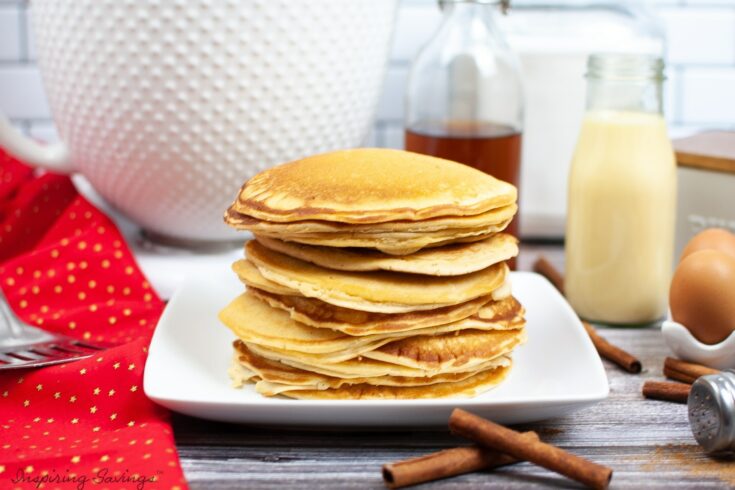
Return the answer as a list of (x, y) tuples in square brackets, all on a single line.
[(700, 86), (700, 90)]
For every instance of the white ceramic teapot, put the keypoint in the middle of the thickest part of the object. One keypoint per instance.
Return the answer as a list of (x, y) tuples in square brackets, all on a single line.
[(168, 106)]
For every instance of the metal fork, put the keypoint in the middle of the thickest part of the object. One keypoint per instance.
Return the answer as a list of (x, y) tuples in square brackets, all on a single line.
[(25, 346)]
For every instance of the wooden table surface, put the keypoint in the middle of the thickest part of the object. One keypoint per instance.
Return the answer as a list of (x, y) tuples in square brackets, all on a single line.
[(647, 443)]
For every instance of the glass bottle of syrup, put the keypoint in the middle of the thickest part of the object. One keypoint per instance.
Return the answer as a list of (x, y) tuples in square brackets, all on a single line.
[(465, 96)]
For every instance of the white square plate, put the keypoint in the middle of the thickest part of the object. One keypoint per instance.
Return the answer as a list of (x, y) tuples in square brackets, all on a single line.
[(555, 372)]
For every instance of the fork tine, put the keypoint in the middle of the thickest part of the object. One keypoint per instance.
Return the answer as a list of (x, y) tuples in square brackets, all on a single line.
[(65, 348), (30, 347), (76, 346), (26, 355), (9, 359), (46, 351), (89, 346)]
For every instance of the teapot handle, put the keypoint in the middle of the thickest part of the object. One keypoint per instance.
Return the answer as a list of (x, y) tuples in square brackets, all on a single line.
[(53, 157)]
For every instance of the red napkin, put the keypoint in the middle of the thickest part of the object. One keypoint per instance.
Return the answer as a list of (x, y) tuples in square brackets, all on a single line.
[(65, 267)]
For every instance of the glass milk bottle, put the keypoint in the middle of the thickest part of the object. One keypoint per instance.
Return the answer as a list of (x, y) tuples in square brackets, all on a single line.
[(622, 196), (465, 97)]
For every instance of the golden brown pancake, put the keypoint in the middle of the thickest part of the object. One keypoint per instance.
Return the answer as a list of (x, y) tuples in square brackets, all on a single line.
[(276, 378), (450, 352), (382, 292), (375, 274), (399, 243), (370, 185), (361, 366), (496, 315), (504, 291), (251, 277), (484, 220), (317, 313), (503, 310), (449, 260), (255, 322), (425, 355), (469, 387)]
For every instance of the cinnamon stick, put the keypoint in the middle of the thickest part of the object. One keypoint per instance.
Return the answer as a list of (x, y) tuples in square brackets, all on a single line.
[(664, 390), (443, 464), (607, 350), (547, 269), (611, 352), (508, 441), (687, 372)]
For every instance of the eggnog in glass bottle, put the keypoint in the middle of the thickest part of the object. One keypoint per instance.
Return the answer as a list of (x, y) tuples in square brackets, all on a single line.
[(622, 196)]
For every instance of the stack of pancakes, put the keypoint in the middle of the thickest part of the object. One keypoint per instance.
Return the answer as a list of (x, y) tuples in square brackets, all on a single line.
[(374, 273)]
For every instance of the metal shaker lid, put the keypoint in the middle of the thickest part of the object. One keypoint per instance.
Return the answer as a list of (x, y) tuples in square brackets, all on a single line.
[(711, 406)]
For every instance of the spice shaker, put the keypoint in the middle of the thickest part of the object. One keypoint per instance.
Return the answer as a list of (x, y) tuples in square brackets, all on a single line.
[(711, 406)]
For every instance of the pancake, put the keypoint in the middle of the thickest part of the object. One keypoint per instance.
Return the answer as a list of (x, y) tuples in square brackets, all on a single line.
[(251, 277), (374, 274), (361, 367), (253, 321), (370, 185), (275, 378), (393, 243), (425, 355), (497, 315), (482, 220), (503, 291), (470, 387), (343, 318), (381, 292), (449, 352), (450, 260), (317, 313), (505, 310)]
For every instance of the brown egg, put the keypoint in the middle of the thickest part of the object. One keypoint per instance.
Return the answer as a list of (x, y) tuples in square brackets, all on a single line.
[(702, 295), (711, 239)]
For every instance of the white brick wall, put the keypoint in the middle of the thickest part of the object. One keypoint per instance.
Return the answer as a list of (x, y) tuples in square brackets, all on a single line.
[(390, 106), (416, 22), (710, 95), (698, 35), (700, 43), (700, 90), (21, 92), (9, 33)]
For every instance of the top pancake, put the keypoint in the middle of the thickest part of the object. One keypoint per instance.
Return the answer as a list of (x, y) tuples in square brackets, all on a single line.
[(370, 185)]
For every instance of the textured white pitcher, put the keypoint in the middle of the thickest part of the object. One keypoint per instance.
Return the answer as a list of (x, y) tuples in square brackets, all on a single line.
[(168, 106)]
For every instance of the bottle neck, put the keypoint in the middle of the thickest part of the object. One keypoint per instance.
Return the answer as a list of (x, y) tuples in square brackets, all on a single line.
[(625, 95), (631, 83), (466, 73), (472, 19)]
